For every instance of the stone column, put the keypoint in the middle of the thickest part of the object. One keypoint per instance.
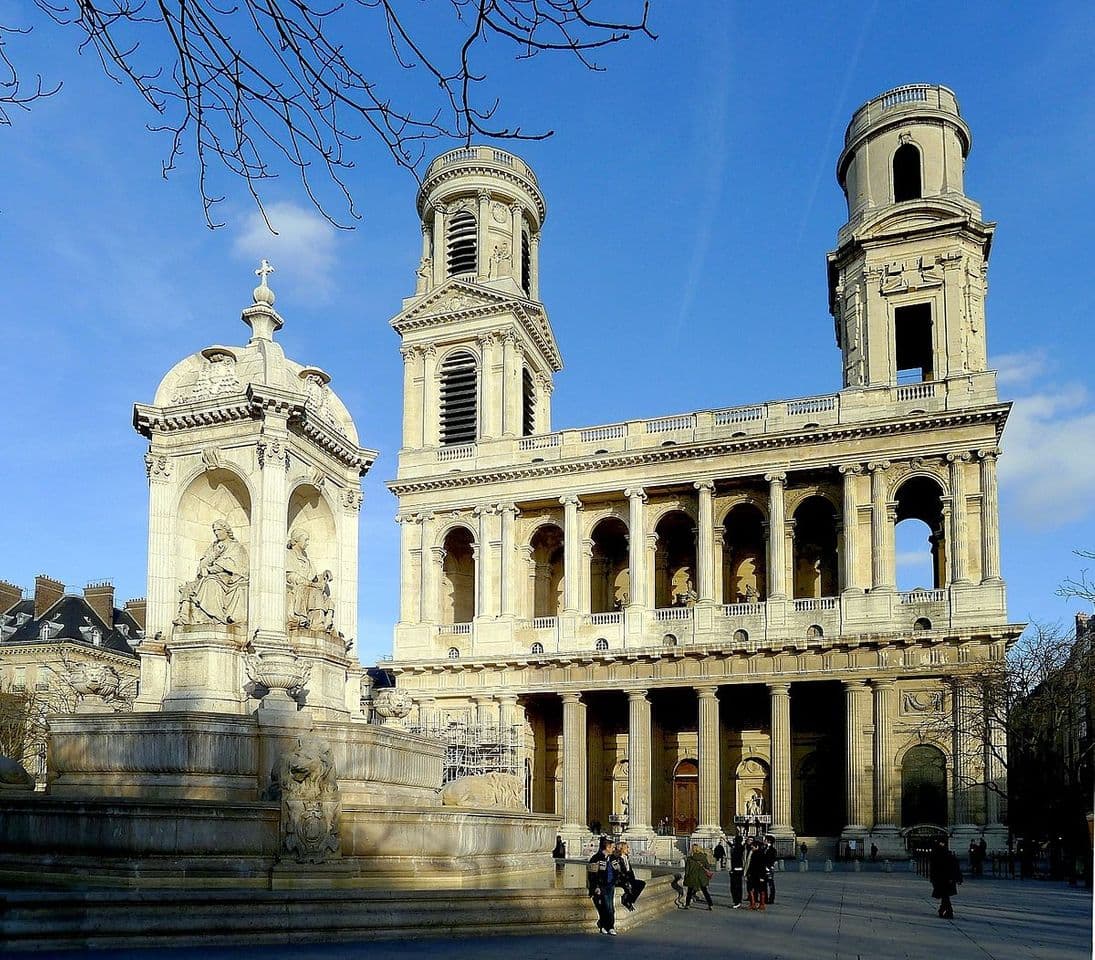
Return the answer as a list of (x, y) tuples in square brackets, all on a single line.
[(508, 586), (409, 545), (585, 580), (571, 552), (484, 569), (486, 712), (636, 547), (507, 711), (482, 221), (434, 561), (883, 573), (431, 402), (990, 516), (534, 265), (961, 755), (777, 552), (958, 548), (574, 763), (267, 600), (854, 759), (719, 561), (705, 546), (516, 221), (412, 397), (708, 739), (779, 694), (639, 737), (544, 386), (440, 253), (884, 816), (512, 399), (851, 472), (996, 747), (490, 388)]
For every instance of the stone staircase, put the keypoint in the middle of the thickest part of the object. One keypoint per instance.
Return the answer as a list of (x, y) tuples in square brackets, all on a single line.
[(58, 920)]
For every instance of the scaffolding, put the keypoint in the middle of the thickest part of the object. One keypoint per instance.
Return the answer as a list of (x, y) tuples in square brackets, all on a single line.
[(472, 749)]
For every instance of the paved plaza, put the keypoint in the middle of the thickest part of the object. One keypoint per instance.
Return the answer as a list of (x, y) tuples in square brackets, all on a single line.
[(818, 915)]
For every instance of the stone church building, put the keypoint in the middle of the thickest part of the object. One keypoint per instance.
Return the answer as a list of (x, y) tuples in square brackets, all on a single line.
[(695, 617)]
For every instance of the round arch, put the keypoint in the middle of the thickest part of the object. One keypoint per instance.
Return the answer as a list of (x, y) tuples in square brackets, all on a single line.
[(686, 774), (609, 566), (815, 547), (919, 518), (726, 505), (744, 554), (923, 785), (458, 576)]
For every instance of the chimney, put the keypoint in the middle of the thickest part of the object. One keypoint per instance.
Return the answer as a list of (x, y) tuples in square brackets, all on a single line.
[(10, 595), (100, 597), (47, 592), (136, 609)]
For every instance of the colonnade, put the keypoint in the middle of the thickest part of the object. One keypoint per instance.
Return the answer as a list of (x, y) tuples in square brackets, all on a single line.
[(497, 551)]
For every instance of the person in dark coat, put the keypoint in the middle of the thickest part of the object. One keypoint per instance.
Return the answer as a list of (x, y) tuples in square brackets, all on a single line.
[(737, 870), (601, 883), (770, 858), (720, 855), (756, 882), (945, 874), (632, 885), (697, 876)]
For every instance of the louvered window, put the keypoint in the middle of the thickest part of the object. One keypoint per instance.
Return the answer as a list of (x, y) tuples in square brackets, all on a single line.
[(526, 264), (528, 405), (458, 398), (463, 242)]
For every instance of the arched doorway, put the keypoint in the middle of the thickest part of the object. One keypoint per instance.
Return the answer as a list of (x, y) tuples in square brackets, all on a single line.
[(817, 795), (686, 793), (924, 786)]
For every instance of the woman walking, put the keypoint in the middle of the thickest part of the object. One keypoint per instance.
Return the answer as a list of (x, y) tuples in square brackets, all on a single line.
[(697, 876), (945, 874), (756, 877)]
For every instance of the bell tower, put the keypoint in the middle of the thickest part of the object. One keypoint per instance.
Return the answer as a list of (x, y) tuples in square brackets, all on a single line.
[(907, 280), (478, 349)]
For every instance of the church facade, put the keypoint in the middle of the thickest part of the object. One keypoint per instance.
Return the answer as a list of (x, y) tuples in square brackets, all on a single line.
[(695, 618)]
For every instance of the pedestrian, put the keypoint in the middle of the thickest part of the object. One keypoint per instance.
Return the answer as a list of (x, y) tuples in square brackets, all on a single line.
[(560, 851), (632, 885), (945, 875), (755, 882), (696, 876), (737, 870), (802, 848), (720, 855), (770, 858), (982, 855), (601, 882), (973, 858), (874, 851)]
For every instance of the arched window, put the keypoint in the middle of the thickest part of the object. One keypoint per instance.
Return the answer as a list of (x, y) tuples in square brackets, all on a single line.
[(454, 654), (741, 636), (920, 535), (609, 578), (601, 644), (463, 241), (922, 623), (670, 640), (458, 577), (815, 549), (548, 567), (675, 561), (906, 173), (924, 787), (528, 404), (743, 556), (537, 648), (526, 263), (459, 398)]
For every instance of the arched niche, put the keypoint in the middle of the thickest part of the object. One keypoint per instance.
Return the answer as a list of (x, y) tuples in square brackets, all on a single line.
[(744, 555), (815, 548), (610, 581), (675, 560), (924, 786), (751, 779), (213, 495), (548, 570), (309, 513), (458, 577)]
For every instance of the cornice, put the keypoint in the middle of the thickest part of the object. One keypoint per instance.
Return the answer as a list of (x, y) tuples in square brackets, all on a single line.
[(837, 433), (473, 167)]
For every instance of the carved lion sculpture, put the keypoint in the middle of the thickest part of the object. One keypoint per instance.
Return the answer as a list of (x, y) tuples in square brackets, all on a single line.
[(500, 790), (303, 778), (14, 776)]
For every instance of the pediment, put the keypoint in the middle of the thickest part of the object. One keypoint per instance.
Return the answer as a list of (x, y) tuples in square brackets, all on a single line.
[(934, 215), (454, 297)]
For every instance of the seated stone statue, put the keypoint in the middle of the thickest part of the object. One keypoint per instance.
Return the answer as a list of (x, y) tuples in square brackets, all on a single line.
[(308, 594), (218, 594)]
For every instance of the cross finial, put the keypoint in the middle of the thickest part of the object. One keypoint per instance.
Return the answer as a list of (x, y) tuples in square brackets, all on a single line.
[(264, 270)]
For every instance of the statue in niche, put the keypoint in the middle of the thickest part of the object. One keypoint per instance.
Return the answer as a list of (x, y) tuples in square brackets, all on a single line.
[(684, 593), (754, 805), (218, 593), (310, 605), (499, 256), (423, 275)]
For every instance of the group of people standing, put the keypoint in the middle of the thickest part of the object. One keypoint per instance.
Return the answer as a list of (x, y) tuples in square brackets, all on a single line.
[(609, 868), (752, 866)]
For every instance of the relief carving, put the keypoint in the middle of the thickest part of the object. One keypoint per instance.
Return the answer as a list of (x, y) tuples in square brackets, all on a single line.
[(217, 378), (304, 780), (922, 701), (500, 791)]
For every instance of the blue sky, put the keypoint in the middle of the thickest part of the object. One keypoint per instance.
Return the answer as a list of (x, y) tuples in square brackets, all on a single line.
[(691, 201)]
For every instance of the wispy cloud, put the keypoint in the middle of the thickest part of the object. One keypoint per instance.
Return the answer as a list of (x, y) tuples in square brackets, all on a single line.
[(1049, 459), (303, 247), (1016, 370)]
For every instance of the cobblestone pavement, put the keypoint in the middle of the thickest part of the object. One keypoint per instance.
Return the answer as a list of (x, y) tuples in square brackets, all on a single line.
[(874, 916)]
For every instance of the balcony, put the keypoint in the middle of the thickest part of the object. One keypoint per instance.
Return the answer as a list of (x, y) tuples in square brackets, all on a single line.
[(810, 415)]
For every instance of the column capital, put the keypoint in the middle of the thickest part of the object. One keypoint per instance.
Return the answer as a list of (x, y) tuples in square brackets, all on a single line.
[(958, 456), (429, 350), (635, 493), (705, 486), (706, 691), (779, 688), (485, 509), (883, 684), (776, 477), (850, 469), (438, 554), (515, 207), (510, 698), (855, 684), (878, 466), (411, 519), (636, 695), (511, 336), (988, 453), (571, 500), (410, 353), (510, 508), (587, 547), (570, 696)]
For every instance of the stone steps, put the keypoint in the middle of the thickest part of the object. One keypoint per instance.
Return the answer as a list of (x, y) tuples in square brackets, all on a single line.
[(54, 920)]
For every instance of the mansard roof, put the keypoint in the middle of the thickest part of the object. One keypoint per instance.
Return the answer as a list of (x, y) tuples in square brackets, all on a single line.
[(73, 619)]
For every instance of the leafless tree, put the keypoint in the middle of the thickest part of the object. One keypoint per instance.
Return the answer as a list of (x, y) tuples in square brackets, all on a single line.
[(256, 86)]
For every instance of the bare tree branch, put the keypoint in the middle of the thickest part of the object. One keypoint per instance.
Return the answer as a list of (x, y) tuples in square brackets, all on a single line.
[(258, 86)]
